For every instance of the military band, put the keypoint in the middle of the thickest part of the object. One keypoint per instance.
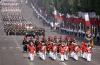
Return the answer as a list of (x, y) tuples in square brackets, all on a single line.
[(58, 50)]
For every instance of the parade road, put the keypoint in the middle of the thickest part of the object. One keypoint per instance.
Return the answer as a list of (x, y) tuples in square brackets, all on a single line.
[(11, 45)]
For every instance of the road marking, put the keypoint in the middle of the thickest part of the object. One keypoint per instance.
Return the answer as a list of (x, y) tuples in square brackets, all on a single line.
[(18, 47), (15, 41), (63, 63), (25, 55), (10, 47), (1, 28), (3, 48)]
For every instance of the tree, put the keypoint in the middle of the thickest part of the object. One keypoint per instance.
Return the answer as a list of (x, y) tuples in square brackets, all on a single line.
[(72, 6)]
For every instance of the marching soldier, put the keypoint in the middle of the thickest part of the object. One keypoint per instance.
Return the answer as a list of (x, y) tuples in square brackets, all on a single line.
[(49, 48), (43, 39), (60, 39), (38, 47), (89, 53), (31, 51), (42, 52), (62, 52), (83, 49), (76, 52), (24, 43), (49, 38), (54, 51), (66, 51), (36, 41), (55, 39), (71, 49)]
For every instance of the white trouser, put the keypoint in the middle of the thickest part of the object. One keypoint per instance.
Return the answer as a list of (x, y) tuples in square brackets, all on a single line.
[(26, 1), (62, 57), (74, 55), (42, 55), (50, 54), (88, 56), (66, 56), (53, 55), (79, 54), (31, 56), (84, 55)]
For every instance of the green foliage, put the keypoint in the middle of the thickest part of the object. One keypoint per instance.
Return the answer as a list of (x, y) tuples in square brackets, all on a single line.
[(72, 6)]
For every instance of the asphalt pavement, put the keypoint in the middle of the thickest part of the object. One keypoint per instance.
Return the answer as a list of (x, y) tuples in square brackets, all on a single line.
[(11, 48)]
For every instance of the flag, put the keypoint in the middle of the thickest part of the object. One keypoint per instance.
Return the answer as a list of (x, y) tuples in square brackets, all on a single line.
[(87, 20)]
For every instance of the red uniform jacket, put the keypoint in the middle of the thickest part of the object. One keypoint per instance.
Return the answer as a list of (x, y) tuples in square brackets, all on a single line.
[(54, 48), (31, 48), (71, 48), (83, 48), (89, 50), (39, 46), (76, 49), (66, 48), (49, 47), (62, 50), (43, 49)]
